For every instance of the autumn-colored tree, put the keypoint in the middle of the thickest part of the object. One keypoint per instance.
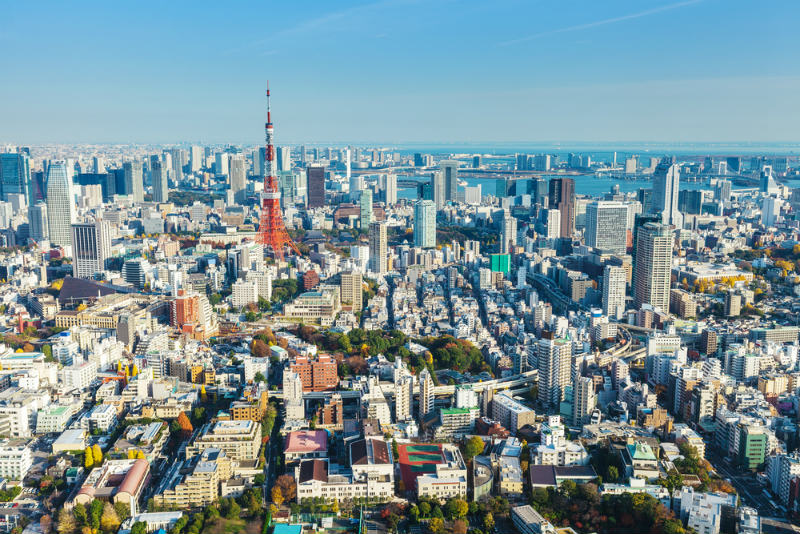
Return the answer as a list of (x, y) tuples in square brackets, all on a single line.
[(436, 525), (88, 458), (66, 522), (277, 496), (288, 487), (27, 347), (459, 526), (97, 454), (109, 521), (259, 349), (357, 364), (135, 370), (185, 425)]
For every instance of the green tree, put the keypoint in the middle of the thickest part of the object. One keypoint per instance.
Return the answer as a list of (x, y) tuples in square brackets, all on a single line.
[(413, 513), (140, 527), (424, 509), (473, 447), (80, 514), (456, 508), (613, 473)]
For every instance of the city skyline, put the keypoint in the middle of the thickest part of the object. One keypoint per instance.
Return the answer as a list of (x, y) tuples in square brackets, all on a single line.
[(525, 74)]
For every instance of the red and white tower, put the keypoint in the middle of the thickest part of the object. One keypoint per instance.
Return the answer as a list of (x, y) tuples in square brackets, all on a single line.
[(271, 230)]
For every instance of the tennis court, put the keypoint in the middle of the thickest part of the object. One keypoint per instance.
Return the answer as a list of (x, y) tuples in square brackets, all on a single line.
[(422, 448)]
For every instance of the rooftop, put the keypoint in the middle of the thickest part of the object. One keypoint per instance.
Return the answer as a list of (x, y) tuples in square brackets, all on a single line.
[(303, 441)]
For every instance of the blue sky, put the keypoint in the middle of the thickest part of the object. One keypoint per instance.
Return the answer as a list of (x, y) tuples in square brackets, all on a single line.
[(398, 71)]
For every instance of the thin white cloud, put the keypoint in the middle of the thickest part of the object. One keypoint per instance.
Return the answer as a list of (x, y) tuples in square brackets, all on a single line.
[(603, 22), (327, 20)]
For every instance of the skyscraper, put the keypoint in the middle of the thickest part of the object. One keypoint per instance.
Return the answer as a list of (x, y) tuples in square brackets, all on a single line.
[(196, 158), (177, 164), (160, 189), (426, 396), (37, 220), (508, 233), (60, 203), (614, 282), (449, 170), (438, 189), (389, 188), (134, 184), (377, 248), (15, 176), (562, 198), (606, 226), (236, 177), (365, 208), (554, 363), (284, 158), (424, 224), (653, 268), (221, 164), (315, 176), (666, 182), (91, 246)]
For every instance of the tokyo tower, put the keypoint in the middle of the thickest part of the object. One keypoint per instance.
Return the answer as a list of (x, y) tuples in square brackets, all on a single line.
[(271, 231)]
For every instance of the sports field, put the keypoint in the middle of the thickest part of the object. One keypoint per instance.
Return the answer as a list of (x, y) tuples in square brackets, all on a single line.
[(416, 460)]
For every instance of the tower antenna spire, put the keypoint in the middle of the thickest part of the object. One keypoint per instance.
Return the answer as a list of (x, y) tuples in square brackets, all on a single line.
[(271, 230)]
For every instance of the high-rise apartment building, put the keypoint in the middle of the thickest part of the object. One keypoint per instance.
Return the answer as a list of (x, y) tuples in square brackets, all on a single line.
[(91, 247), (666, 182), (424, 224), (365, 208), (583, 401), (60, 203), (508, 233), (160, 189), (388, 184), (653, 267), (315, 176), (554, 359), (614, 283), (134, 181), (606, 226), (236, 177), (562, 198), (178, 156), (377, 248), (426, 396), (403, 398), (351, 290)]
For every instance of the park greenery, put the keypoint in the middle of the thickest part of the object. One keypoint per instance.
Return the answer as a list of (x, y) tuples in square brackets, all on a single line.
[(581, 507)]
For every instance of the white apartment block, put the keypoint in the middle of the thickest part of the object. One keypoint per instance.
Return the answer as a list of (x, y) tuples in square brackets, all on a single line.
[(244, 293), (16, 459), (78, 376)]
